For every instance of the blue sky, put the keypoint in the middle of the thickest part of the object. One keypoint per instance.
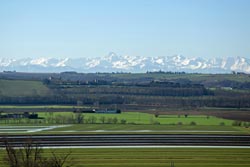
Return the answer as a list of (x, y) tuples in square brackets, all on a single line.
[(93, 28)]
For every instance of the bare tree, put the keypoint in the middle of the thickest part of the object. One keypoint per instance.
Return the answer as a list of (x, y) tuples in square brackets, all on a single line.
[(56, 160), (102, 119), (79, 118), (92, 119), (123, 121), (29, 154), (115, 120)]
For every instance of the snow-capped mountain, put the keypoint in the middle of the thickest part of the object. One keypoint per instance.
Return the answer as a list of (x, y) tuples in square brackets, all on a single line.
[(124, 63)]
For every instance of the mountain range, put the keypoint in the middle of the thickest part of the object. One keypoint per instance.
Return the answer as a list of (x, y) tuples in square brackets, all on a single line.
[(123, 63)]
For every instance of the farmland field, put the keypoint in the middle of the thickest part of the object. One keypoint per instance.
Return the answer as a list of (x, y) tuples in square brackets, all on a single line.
[(136, 122), (118, 128), (144, 118), (155, 157), (152, 129), (131, 118)]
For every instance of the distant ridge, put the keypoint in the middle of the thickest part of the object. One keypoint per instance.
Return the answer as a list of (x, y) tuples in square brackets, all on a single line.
[(123, 63)]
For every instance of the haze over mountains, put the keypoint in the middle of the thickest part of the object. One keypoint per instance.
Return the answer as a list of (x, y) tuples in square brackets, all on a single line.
[(118, 63)]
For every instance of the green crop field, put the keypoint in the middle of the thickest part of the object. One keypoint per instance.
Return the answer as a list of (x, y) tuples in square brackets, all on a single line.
[(119, 128), (153, 129), (131, 118), (154, 157), (136, 122), (145, 118), (22, 88)]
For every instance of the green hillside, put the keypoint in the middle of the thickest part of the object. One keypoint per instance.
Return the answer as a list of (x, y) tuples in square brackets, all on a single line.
[(17, 88), (203, 78)]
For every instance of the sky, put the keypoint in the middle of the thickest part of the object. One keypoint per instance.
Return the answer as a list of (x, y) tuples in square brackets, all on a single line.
[(93, 28)]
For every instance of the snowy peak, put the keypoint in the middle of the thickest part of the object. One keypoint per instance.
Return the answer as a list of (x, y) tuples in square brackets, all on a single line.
[(117, 63)]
